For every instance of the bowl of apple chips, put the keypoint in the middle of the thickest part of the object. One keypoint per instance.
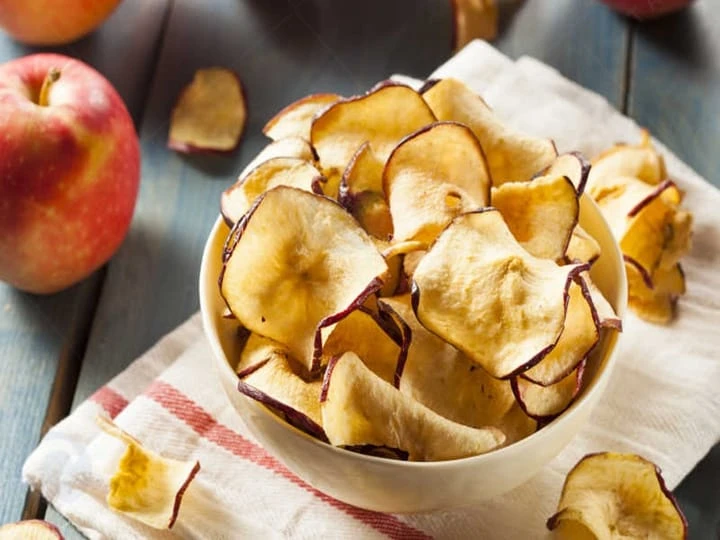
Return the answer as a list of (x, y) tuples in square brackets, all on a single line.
[(412, 305)]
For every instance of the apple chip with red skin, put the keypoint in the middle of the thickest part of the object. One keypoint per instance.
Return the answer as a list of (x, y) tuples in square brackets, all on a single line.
[(541, 213), (443, 379), (478, 289), (147, 486), (289, 147), (603, 313), (271, 379), (582, 248), (382, 117), (280, 171), (210, 114), (639, 161), (654, 298), (31, 529), (579, 335), (295, 264), (609, 496), (511, 156), (433, 175), (295, 119), (547, 402), (360, 409), (572, 165)]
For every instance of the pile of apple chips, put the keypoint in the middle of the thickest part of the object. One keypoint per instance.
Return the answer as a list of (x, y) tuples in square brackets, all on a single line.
[(410, 275), (642, 206)]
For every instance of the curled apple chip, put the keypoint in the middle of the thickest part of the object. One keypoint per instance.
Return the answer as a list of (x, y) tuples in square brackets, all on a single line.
[(654, 297), (541, 213), (582, 248), (280, 171), (547, 402), (295, 264), (274, 383), (256, 350), (30, 529), (572, 165), (511, 156), (611, 495), (359, 408), (603, 313), (295, 119), (640, 161), (579, 335), (147, 486), (210, 114), (473, 19), (433, 175), (443, 379), (289, 147), (478, 289), (381, 117)]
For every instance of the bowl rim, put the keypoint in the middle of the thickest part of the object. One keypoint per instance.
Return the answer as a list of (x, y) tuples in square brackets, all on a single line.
[(518, 447)]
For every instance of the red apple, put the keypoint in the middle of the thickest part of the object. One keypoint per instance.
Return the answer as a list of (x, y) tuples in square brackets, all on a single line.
[(52, 22), (646, 9), (69, 171)]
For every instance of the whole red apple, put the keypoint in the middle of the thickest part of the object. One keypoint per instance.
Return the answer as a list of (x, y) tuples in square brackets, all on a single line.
[(69, 171), (52, 22), (646, 9)]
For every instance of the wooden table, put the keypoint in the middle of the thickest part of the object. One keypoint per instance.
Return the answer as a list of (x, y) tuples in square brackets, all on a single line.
[(56, 350)]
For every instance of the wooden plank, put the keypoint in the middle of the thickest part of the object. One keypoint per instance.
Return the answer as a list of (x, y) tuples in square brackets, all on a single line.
[(44, 336), (674, 92)]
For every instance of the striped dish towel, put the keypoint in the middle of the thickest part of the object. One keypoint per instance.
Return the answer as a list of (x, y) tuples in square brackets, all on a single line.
[(661, 402)]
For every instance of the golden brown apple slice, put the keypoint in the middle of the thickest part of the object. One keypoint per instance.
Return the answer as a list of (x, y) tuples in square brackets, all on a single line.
[(382, 117), (574, 166), (582, 248), (473, 19), (295, 264), (359, 408), (610, 496), (433, 175), (511, 156), (147, 486), (274, 382), (603, 313), (289, 147), (579, 335), (640, 161), (31, 529), (654, 298), (546, 402), (541, 213), (210, 114), (443, 379), (280, 171), (478, 289), (295, 119)]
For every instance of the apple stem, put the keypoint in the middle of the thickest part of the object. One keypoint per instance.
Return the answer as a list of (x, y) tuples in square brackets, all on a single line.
[(52, 76)]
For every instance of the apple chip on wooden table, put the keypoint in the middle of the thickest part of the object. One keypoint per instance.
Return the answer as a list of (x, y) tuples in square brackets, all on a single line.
[(410, 274)]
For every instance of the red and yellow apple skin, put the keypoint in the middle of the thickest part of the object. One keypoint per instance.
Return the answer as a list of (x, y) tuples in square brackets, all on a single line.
[(69, 173), (646, 9), (53, 22)]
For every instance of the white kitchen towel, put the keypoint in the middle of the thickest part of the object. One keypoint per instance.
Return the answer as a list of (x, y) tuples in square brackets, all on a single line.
[(662, 400)]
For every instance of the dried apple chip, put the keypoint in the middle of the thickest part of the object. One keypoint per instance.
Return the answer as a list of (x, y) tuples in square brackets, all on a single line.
[(433, 175), (609, 496), (603, 313), (541, 213), (289, 147), (359, 408), (210, 114), (582, 248), (473, 19), (295, 119), (382, 117), (443, 379), (274, 383), (579, 335), (546, 402), (30, 529), (654, 298), (258, 349), (147, 486), (640, 161), (295, 264), (280, 171), (574, 166), (481, 291), (511, 156)]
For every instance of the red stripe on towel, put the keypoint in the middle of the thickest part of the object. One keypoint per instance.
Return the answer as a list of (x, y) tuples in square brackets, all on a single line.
[(112, 402)]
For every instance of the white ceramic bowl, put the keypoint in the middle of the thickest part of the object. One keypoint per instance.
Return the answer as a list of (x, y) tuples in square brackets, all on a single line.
[(395, 486)]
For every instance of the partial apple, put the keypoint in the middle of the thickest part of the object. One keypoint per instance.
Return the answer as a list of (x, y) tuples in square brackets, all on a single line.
[(53, 22), (643, 9), (32, 529), (69, 174)]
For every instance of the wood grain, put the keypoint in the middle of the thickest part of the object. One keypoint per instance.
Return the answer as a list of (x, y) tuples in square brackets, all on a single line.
[(675, 93), (41, 337)]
